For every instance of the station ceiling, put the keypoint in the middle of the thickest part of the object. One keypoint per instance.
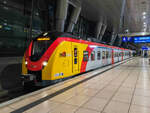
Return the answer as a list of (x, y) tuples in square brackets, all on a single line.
[(108, 9), (137, 17), (136, 14), (139, 12)]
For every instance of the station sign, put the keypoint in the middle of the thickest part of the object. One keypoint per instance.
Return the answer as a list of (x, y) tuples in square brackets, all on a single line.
[(145, 48), (142, 39), (126, 39)]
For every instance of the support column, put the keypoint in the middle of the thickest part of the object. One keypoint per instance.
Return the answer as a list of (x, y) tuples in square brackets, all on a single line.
[(102, 32), (120, 41), (121, 20), (61, 14), (98, 29), (122, 14), (74, 18), (113, 38)]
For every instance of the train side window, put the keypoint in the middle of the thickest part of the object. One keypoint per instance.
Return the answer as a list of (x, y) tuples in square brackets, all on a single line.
[(103, 55), (85, 56), (75, 55), (75, 52), (93, 56), (98, 55)]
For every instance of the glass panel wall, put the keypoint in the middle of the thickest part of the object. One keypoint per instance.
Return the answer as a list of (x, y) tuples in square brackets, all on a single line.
[(16, 23)]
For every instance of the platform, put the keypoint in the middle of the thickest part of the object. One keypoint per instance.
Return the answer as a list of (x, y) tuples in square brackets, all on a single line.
[(122, 89)]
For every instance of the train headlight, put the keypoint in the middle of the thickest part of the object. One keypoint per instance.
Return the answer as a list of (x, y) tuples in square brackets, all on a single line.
[(26, 62), (45, 63)]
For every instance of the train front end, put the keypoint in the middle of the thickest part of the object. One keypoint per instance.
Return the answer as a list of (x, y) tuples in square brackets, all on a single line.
[(36, 59)]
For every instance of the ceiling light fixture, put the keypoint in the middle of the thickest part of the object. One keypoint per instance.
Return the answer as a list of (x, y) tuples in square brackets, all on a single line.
[(144, 13), (144, 17)]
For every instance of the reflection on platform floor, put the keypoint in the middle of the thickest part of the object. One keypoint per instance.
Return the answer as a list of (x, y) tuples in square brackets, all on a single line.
[(124, 89)]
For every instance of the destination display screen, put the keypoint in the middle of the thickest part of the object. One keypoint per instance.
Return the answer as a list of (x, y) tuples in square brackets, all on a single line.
[(43, 38)]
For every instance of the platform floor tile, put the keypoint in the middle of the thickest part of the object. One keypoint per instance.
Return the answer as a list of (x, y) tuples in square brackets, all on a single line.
[(123, 89)]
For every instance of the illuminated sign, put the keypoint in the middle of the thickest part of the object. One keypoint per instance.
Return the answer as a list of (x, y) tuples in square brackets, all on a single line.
[(127, 39), (43, 38), (142, 39), (145, 48)]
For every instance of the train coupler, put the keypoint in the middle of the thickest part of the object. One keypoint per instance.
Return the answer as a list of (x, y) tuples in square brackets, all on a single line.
[(27, 78)]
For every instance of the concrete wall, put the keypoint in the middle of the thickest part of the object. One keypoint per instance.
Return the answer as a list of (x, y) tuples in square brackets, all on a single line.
[(10, 70)]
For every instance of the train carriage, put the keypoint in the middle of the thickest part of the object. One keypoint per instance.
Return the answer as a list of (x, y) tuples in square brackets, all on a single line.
[(54, 56)]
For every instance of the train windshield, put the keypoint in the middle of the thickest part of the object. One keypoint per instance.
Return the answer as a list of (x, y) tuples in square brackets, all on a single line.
[(42, 43), (39, 48)]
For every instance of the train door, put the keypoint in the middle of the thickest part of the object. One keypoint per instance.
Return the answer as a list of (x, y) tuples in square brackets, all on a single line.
[(92, 59), (115, 55), (118, 54), (109, 56), (126, 54), (106, 59), (122, 55), (103, 56), (75, 59), (99, 57), (112, 56)]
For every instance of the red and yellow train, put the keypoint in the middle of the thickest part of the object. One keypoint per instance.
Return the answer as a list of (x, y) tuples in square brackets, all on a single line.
[(53, 56)]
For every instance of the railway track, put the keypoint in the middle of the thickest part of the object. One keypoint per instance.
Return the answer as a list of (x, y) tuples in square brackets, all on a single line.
[(18, 92)]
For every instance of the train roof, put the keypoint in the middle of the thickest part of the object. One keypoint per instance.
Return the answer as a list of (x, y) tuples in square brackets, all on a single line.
[(56, 34)]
